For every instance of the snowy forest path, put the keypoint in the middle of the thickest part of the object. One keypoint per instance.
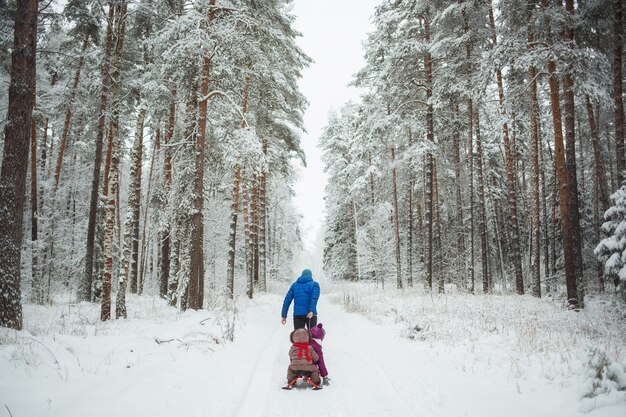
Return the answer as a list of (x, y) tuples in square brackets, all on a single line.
[(359, 386)]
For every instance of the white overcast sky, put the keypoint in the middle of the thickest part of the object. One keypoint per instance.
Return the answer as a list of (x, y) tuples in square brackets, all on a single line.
[(332, 32)]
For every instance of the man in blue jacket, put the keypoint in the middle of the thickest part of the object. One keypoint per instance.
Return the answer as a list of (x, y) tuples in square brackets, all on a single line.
[(304, 292)]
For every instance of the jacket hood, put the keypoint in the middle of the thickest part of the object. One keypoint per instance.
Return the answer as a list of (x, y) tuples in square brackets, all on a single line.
[(304, 279), (300, 336)]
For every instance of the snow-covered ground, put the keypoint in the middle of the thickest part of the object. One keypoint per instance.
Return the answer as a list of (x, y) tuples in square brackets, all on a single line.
[(389, 354)]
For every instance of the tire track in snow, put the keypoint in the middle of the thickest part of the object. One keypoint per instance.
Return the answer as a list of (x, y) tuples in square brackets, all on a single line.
[(354, 361), (257, 388)]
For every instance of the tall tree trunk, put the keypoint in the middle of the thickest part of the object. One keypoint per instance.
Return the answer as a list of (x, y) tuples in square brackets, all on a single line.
[(112, 181), (68, 114), (234, 208), (248, 247), (37, 284), (555, 223), (618, 47), (131, 224), (598, 159), (17, 133), (172, 283), (545, 224), (564, 185), (535, 254), (409, 215), (470, 146), (263, 223), (597, 224), (577, 285), (581, 164), (510, 170), (372, 200), (254, 218), (482, 216), (85, 293), (105, 311), (437, 233), (352, 274), (165, 232), (396, 223), (134, 203), (456, 159), (534, 180), (146, 241), (470, 171), (196, 278), (430, 137)]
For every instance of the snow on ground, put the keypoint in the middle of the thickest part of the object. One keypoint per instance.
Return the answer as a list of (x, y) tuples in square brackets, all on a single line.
[(389, 354)]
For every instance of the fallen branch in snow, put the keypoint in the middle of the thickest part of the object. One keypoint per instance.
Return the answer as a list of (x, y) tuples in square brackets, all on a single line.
[(191, 342), (7, 407), (161, 341)]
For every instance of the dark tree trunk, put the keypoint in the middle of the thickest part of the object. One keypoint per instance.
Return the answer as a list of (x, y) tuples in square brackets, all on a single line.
[(535, 254), (597, 224), (470, 172), (564, 185), (482, 215), (68, 115), (396, 223), (234, 209), (545, 224), (510, 171), (134, 203), (430, 137), (409, 215), (146, 240), (534, 181), (165, 233), (618, 46), (248, 246), (85, 290), (37, 284), (578, 286), (599, 160), (254, 229), (15, 161), (196, 278), (263, 225), (438, 257), (456, 158)]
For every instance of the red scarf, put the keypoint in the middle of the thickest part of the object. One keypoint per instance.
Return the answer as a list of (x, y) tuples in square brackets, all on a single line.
[(303, 347)]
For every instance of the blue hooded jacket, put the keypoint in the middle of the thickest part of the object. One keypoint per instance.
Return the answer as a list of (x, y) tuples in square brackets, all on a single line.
[(304, 292)]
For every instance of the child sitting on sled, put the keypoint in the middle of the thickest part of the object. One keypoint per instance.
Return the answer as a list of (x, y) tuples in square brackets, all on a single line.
[(302, 356), (317, 334)]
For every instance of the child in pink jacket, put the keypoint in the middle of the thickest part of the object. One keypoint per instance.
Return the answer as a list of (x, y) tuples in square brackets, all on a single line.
[(318, 333)]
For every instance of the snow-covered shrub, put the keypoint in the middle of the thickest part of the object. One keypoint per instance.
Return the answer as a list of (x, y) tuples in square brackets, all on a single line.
[(353, 304), (612, 249), (605, 381), (416, 332)]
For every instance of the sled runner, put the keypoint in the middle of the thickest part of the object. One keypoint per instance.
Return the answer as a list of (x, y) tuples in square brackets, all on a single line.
[(303, 375)]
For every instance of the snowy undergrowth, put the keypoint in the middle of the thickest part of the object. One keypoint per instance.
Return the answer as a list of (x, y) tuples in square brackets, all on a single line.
[(530, 337), (69, 339)]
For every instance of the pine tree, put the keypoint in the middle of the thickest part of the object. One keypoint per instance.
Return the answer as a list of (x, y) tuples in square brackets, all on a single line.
[(15, 161), (612, 249)]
